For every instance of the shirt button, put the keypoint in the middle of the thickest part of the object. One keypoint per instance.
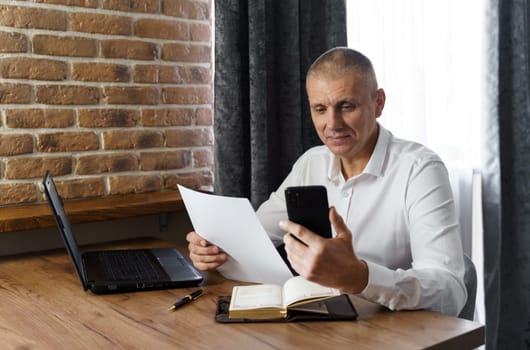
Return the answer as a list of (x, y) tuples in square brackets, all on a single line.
[(345, 194)]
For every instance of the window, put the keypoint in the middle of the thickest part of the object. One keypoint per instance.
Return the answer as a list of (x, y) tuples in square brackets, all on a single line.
[(428, 56)]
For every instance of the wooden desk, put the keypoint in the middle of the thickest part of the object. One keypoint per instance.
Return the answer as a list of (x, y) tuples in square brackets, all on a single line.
[(43, 306)]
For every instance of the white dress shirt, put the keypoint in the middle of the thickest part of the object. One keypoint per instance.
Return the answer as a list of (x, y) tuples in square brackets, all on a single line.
[(401, 213)]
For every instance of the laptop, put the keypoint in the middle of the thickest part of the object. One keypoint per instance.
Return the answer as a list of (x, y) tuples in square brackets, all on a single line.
[(117, 271)]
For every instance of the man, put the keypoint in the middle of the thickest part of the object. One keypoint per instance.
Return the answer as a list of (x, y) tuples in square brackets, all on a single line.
[(396, 238)]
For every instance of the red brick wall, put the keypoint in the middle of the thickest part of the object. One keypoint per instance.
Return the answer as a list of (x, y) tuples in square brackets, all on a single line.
[(112, 96)]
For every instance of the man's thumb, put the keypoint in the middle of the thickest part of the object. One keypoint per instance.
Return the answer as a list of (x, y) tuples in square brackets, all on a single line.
[(338, 223)]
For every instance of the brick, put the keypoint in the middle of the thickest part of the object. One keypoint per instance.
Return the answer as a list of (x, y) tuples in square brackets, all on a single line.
[(17, 193), (100, 72), (200, 32), (186, 52), (145, 73), (13, 144), (81, 188), (198, 75), (189, 137), (131, 95), (164, 160), (32, 68), (70, 46), (202, 158), (167, 117), (39, 118), (144, 6), (80, 3), (172, 75), (99, 23), (134, 139), (184, 75), (15, 93), (186, 9), (194, 180), (129, 49), (30, 17), (67, 142), (204, 116), (106, 163), (36, 167), (107, 118), (67, 95), (187, 95), (119, 185), (13, 42), (162, 29)]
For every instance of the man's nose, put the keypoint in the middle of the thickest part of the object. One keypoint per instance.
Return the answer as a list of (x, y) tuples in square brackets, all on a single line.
[(335, 119)]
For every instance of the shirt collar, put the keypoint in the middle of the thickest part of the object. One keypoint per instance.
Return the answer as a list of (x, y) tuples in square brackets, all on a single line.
[(376, 162)]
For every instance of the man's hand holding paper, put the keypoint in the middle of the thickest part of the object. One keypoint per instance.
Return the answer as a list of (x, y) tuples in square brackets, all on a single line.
[(232, 225)]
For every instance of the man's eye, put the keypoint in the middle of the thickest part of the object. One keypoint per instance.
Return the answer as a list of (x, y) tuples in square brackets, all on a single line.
[(348, 107), (320, 110)]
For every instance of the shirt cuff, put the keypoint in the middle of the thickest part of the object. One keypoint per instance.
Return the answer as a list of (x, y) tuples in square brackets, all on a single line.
[(381, 284)]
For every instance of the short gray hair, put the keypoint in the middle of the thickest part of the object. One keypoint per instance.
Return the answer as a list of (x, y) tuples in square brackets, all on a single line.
[(335, 62)]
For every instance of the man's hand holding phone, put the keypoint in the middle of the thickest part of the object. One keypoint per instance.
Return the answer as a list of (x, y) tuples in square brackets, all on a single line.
[(328, 261)]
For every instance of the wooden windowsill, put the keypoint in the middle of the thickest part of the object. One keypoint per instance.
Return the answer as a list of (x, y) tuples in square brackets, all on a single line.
[(37, 216)]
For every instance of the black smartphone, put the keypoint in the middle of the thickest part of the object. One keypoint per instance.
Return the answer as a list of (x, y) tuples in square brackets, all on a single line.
[(308, 206)]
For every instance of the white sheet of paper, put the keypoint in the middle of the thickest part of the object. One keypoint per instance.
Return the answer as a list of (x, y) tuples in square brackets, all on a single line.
[(232, 224)]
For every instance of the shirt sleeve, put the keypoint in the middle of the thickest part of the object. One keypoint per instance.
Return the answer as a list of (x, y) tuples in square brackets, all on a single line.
[(270, 213), (435, 280)]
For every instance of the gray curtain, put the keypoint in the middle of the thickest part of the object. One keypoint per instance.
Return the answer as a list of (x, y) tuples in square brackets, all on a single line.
[(507, 179), (263, 49)]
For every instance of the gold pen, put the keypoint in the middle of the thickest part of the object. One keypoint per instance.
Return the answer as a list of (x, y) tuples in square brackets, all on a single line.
[(186, 300)]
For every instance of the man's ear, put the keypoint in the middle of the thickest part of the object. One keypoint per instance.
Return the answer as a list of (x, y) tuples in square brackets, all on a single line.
[(380, 99)]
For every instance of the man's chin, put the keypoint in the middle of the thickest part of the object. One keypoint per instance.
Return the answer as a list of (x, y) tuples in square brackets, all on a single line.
[(341, 153), (339, 148)]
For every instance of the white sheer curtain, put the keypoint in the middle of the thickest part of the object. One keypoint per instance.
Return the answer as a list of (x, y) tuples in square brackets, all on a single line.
[(428, 58)]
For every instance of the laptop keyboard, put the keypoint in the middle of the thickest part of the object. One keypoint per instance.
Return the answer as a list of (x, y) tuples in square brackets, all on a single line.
[(130, 265)]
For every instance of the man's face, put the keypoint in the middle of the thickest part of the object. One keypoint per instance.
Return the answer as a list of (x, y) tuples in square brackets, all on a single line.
[(344, 112)]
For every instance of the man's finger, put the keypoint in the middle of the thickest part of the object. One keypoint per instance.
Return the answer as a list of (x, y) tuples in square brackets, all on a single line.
[(338, 223), (194, 238), (299, 232), (206, 266), (200, 250), (208, 258)]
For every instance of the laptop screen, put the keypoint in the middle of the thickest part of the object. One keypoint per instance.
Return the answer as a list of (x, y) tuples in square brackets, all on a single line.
[(56, 204)]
